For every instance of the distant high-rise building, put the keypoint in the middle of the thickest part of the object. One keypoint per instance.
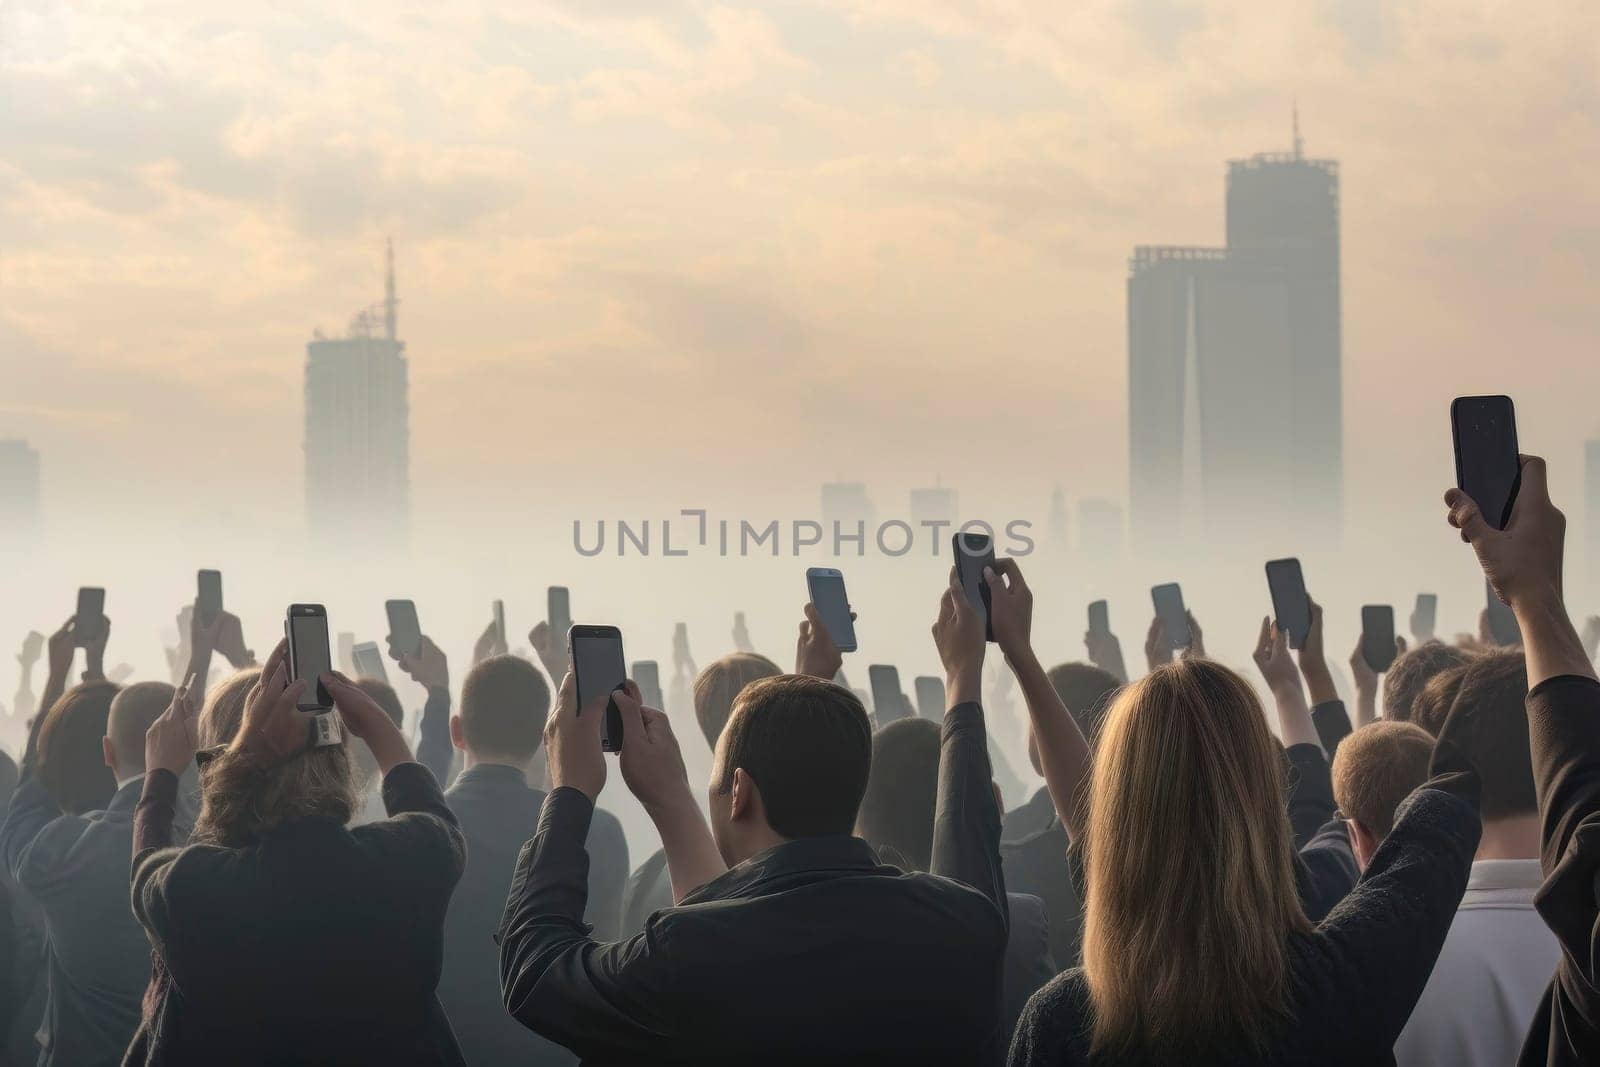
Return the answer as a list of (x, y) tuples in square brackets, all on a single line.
[(934, 504), (847, 503), (1059, 523), (19, 488), (1234, 363), (1099, 528), (358, 470), (1591, 510)]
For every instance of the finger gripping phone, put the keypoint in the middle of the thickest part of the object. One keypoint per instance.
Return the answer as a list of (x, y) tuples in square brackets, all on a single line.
[(91, 609), (974, 552), (599, 667), (309, 655), (1377, 636), (826, 589), (1168, 602), (1291, 607), (1484, 429), (405, 632)]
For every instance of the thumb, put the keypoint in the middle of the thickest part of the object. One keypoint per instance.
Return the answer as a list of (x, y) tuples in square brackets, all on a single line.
[(632, 721), (1533, 479)]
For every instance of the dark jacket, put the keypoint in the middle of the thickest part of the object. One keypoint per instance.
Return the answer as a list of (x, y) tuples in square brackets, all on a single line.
[(498, 811), (1564, 737), (1353, 979), (811, 952), (1029, 818), (1325, 866), (1029, 964), (314, 942), (75, 868), (649, 889)]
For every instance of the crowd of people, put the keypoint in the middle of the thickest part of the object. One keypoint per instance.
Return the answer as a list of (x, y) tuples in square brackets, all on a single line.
[(188, 879)]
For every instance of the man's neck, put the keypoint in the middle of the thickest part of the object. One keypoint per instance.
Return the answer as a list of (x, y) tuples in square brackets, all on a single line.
[(470, 759), (1515, 837), (758, 841), (121, 781)]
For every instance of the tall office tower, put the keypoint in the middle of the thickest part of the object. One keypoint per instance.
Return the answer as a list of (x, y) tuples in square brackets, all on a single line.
[(19, 490), (1099, 528), (934, 504), (1591, 517), (358, 429), (847, 503), (1060, 524), (1234, 353)]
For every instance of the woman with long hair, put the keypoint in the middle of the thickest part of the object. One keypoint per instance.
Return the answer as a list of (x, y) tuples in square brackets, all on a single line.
[(285, 935), (1196, 949)]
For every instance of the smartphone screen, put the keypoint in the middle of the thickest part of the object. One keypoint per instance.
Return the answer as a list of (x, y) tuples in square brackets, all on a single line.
[(1503, 625), (930, 697), (887, 698), (600, 668), (208, 595), (500, 621), (1427, 612), (826, 587), (91, 609), (646, 674), (558, 609), (1290, 605), (1377, 636), (1099, 617), (1487, 467), (405, 632), (368, 660), (1168, 601), (974, 552), (309, 655)]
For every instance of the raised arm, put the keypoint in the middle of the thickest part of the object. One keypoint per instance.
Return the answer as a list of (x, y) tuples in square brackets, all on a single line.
[(1328, 715), (1272, 658), (430, 669)]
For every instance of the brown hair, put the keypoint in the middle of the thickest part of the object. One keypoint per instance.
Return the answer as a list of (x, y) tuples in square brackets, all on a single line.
[(242, 798), (133, 710), (902, 790), (1189, 860), (223, 712), (1407, 675), (72, 764), (1376, 768), (718, 685), (504, 704), (1492, 699), (1431, 706)]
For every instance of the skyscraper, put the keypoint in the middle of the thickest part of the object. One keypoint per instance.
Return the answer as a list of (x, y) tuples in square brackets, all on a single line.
[(1234, 364), (358, 428), (935, 504), (19, 489)]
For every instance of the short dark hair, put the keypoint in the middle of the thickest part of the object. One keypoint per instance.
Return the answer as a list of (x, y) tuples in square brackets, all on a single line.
[(1493, 698), (72, 765), (383, 695), (719, 684), (902, 787), (1408, 674), (807, 743), (1086, 690), (504, 704), (1431, 706)]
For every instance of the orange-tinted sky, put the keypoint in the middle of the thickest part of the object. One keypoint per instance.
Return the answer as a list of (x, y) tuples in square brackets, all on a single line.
[(738, 248)]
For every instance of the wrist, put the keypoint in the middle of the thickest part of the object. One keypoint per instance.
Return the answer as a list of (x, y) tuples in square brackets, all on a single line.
[(670, 805), (963, 685)]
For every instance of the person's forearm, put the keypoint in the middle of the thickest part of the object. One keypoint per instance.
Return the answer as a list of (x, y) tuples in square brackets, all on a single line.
[(1319, 681), (1063, 751), (390, 750), (1295, 726), (692, 856), (54, 686), (1549, 640), (966, 821), (152, 819), (434, 749), (199, 668), (1366, 706)]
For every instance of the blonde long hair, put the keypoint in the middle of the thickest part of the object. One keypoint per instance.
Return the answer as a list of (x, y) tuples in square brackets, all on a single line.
[(1189, 859)]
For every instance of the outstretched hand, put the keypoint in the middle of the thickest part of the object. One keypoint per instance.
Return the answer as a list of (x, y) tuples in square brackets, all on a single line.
[(1010, 607), (959, 637), (815, 654), (172, 739), (1522, 561), (427, 667), (551, 648), (274, 728), (363, 717), (572, 739), (651, 762), (489, 643), (1273, 658)]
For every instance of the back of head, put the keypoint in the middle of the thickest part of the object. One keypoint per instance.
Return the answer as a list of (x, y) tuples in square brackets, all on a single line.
[(1377, 767), (223, 713), (1431, 706), (1190, 866), (1408, 674), (718, 685), (807, 745), (1493, 698), (1087, 691), (72, 765), (240, 800), (504, 704), (133, 710), (902, 787)]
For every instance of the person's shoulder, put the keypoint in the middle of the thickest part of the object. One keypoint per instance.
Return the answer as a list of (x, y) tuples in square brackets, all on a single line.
[(1056, 1023)]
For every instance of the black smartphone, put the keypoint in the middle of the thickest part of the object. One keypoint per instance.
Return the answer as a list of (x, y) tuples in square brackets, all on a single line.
[(309, 654), (826, 589), (1484, 429), (405, 632), (368, 660), (599, 667), (930, 697), (1503, 625), (1099, 617), (1377, 636), (500, 622), (974, 552), (558, 609), (1168, 601), (646, 674), (1291, 607), (888, 700), (1426, 613), (208, 596), (91, 609)]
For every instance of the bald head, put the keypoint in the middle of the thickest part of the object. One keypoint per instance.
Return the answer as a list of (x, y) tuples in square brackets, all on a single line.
[(132, 712)]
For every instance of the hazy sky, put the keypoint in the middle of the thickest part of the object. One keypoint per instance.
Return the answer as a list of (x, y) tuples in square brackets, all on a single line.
[(732, 247)]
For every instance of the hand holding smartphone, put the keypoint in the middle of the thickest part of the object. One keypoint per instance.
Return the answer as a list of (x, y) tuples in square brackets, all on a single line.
[(1168, 602), (91, 611), (973, 552), (825, 586), (1377, 637), (405, 631), (208, 596), (309, 655), (1488, 468), (599, 667), (1291, 606)]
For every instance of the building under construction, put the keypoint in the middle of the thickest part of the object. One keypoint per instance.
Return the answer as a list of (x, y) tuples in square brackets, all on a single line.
[(358, 429)]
